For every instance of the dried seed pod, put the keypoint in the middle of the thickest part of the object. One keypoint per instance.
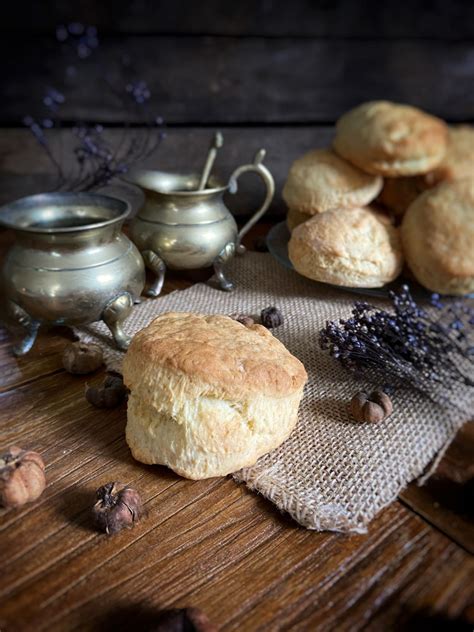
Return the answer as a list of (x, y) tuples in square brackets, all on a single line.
[(114, 381), (81, 358), (243, 319), (271, 317), (118, 507), (110, 395), (184, 620), (22, 478), (371, 408)]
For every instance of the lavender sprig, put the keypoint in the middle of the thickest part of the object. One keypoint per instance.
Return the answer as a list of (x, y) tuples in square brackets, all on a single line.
[(428, 349), (96, 160)]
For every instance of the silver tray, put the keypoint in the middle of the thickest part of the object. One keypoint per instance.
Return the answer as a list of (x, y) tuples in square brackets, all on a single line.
[(277, 243)]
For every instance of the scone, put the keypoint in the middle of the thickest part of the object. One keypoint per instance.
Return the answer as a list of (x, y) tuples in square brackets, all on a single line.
[(390, 139), (208, 395), (353, 248), (438, 238), (458, 162), (320, 180), (294, 218), (398, 193)]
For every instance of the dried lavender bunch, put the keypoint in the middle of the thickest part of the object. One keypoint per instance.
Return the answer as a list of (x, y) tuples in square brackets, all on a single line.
[(428, 349), (96, 160)]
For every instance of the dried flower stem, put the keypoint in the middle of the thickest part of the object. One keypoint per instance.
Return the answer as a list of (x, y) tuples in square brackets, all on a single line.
[(414, 347)]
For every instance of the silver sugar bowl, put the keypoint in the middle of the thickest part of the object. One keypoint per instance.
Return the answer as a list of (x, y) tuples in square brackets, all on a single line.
[(70, 264), (185, 224)]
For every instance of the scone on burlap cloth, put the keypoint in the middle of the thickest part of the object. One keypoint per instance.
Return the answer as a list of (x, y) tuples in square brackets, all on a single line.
[(330, 474)]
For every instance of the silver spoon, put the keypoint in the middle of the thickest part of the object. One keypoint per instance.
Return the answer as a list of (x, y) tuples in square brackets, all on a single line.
[(217, 142)]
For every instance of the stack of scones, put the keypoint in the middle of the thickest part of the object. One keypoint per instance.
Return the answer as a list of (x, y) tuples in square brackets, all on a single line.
[(396, 187)]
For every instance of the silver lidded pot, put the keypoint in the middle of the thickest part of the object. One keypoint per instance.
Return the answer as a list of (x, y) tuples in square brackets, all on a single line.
[(184, 223), (70, 264)]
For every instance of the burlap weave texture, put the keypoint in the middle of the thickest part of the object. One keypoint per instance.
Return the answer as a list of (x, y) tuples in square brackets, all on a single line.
[(332, 473)]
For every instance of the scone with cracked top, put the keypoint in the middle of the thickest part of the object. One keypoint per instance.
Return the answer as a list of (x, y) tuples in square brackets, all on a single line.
[(321, 180), (438, 238), (390, 139), (208, 395), (349, 247), (458, 163)]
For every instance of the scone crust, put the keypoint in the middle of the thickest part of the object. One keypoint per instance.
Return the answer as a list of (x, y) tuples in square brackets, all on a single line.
[(438, 237), (218, 351), (390, 139), (458, 163), (353, 248), (208, 396), (320, 180), (398, 193)]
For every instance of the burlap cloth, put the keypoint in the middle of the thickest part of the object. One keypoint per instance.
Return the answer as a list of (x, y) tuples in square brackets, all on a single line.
[(332, 473)]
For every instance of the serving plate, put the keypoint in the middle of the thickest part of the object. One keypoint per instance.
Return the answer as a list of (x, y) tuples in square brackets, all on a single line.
[(277, 243)]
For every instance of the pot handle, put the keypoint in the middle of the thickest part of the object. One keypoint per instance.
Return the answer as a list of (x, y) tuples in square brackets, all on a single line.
[(266, 176)]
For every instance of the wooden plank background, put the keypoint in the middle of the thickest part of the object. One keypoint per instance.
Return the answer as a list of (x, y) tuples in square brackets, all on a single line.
[(271, 18), (213, 63), (220, 80)]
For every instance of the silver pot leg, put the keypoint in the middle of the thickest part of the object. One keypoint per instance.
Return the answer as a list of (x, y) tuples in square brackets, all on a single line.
[(114, 316), (156, 264), (18, 316), (226, 253)]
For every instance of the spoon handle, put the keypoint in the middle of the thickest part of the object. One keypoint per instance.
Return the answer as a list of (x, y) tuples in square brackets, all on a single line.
[(217, 142)]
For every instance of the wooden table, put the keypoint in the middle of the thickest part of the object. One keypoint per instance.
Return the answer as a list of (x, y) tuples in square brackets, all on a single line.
[(211, 544)]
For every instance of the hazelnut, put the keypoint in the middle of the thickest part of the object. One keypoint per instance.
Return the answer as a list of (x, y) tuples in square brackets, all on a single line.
[(22, 478), (118, 507), (271, 317), (184, 620), (81, 358), (371, 408), (110, 395), (248, 321)]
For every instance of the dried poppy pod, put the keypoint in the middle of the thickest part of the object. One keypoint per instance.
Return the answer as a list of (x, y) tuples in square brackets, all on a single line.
[(81, 358), (243, 319), (371, 408), (271, 317), (110, 395), (118, 507), (22, 478)]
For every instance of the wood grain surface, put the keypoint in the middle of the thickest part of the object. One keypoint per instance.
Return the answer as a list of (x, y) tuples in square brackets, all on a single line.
[(211, 544), (220, 80)]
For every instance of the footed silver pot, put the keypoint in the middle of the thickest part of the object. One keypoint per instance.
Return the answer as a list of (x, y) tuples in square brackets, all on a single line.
[(70, 264), (183, 227)]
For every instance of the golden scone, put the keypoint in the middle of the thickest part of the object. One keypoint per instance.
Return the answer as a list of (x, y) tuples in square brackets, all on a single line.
[(390, 139), (294, 218), (208, 395), (398, 193), (354, 248), (438, 237), (320, 180)]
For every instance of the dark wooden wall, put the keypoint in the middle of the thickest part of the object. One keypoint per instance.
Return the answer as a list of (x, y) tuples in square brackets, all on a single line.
[(247, 61), (276, 69)]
